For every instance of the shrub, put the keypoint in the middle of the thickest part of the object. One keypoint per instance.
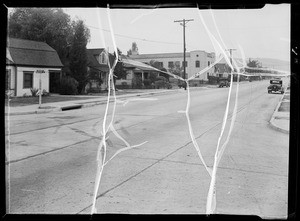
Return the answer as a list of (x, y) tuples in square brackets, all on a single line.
[(213, 79), (147, 82), (8, 94), (152, 77), (68, 86), (34, 92), (123, 85), (159, 84), (45, 93), (160, 78), (137, 83)]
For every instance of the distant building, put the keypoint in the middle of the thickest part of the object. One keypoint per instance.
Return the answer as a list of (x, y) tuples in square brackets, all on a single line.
[(29, 61), (195, 62), (221, 70), (136, 71)]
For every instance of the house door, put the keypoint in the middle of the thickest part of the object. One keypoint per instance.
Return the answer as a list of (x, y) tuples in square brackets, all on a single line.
[(54, 81)]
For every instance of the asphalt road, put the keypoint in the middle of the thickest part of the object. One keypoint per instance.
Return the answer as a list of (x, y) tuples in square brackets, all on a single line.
[(52, 157)]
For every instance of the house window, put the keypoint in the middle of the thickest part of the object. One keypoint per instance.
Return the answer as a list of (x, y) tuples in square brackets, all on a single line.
[(185, 64), (161, 64), (8, 79), (27, 79), (197, 63), (208, 63), (170, 64), (177, 64), (103, 58)]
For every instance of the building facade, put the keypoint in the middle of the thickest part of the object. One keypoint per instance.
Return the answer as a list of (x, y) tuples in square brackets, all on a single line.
[(98, 69), (195, 62), (27, 64)]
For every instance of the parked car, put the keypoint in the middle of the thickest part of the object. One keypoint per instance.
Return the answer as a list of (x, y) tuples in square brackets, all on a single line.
[(182, 84), (275, 86), (224, 82)]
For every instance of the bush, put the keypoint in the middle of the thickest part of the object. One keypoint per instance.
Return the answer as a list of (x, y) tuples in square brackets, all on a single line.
[(34, 92), (45, 93), (68, 86), (160, 78), (162, 84), (147, 82), (137, 83), (213, 79), (123, 85)]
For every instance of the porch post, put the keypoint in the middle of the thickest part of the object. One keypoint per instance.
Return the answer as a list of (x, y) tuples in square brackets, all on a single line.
[(142, 77)]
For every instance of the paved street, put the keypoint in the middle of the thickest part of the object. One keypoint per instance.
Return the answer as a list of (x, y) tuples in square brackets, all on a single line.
[(52, 157)]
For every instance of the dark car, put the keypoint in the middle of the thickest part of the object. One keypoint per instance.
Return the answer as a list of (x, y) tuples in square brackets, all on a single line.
[(181, 84), (275, 86), (224, 82)]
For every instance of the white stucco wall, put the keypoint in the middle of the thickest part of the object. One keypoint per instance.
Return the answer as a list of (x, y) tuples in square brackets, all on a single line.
[(12, 76), (191, 58), (203, 57), (36, 77)]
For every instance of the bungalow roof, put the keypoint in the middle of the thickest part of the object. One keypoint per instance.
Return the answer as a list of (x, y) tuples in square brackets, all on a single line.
[(32, 53)]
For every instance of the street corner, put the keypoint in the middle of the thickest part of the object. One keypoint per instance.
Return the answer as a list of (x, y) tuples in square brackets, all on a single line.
[(280, 119), (280, 124)]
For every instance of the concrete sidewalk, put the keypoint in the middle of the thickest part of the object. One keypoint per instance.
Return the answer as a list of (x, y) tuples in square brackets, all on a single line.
[(75, 104), (280, 119)]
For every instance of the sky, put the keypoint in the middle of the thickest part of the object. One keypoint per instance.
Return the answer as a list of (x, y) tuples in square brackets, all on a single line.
[(256, 33)]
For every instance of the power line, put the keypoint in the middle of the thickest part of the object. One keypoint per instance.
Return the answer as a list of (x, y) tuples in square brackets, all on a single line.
[(130, 37)]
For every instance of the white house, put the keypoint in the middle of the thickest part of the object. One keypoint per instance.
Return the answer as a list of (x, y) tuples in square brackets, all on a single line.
[(195, 61), (29, 61)]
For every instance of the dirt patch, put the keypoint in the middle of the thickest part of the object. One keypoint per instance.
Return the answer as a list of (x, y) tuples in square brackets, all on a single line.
[(284, 107)]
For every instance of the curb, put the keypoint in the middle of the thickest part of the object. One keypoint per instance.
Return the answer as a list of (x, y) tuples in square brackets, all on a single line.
[(39, 111), (83, 105), (272, 124)]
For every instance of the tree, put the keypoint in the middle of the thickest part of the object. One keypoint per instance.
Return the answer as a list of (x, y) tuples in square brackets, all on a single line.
[(78, 56), (50, 25), (253, 63), (119, 71), (134, 49), (176, 70), (159, 65)]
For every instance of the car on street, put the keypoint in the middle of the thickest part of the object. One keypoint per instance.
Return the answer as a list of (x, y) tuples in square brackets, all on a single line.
[(275, 86), (224, 82)]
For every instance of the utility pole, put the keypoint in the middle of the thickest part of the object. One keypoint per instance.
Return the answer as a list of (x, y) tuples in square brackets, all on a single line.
[(230, 50), (183, 23)]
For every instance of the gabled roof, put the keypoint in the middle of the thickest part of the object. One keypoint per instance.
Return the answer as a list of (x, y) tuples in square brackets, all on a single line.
[(32, 53), (132, 64), (222, 68), (92, 61)]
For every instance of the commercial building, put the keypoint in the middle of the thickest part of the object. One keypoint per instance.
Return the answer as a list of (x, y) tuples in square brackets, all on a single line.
[(196, 61)]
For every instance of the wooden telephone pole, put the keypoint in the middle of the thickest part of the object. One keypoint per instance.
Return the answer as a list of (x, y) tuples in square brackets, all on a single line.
[(183, 23)]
